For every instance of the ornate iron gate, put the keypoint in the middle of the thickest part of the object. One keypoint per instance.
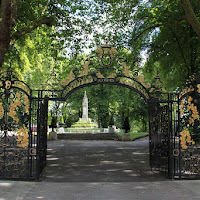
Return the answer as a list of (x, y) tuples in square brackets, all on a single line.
[(23, 129), (159, 141), (15, 97), (174, 122), (187, 151), (163, 129)]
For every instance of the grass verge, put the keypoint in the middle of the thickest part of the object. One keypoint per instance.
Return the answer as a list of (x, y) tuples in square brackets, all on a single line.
[(134, 135)]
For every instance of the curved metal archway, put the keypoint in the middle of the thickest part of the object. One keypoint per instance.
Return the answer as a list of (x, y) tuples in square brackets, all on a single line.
[(105, 68), (118, 81)]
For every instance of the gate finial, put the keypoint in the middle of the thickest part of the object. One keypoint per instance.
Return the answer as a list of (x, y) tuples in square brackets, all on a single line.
[(157, 85)]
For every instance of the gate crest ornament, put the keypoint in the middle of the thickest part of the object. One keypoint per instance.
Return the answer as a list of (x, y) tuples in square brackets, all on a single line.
[(106, 53)]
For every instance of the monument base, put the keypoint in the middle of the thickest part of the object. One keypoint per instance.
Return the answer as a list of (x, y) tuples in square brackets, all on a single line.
[(111, 129), (126, 137), (84, 119), (82, 123), (52, 135)]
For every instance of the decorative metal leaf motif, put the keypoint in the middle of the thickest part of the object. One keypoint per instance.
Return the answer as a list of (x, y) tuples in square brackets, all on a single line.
[(12, 112), (1, 110), (22, 137)]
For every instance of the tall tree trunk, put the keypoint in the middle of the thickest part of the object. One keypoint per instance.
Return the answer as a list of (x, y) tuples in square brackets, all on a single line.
[(8, 17), (191, 17)]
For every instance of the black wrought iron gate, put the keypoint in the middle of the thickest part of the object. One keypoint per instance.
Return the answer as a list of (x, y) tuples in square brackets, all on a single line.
[(39, 127), (174, 127), (159, 141), (15, 129), (164, 134)]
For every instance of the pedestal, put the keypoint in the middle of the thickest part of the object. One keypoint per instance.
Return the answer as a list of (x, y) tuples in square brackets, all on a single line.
[(126, 137), (61, 130), (53, 135), (111, 129)]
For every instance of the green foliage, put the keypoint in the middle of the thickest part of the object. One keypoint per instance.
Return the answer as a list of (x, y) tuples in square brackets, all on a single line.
[(172, 45), (151, 26), (158, 28), (137, 135)]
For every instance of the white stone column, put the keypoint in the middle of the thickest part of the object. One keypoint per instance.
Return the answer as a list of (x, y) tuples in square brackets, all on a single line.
[(85, 107)]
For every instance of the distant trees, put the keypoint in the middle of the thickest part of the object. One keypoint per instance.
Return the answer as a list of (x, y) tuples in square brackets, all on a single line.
[(111, 102)]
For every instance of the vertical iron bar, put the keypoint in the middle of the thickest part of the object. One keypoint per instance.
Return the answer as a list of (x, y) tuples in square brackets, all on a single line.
[(150, 133), (38, 138), (29, 165), (171, 138), (179, 145)]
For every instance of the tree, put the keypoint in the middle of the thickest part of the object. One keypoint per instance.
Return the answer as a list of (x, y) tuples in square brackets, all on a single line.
[(70, 20), (15, 22), (172, 54), (158, 27), (190, 16), (111, 122)]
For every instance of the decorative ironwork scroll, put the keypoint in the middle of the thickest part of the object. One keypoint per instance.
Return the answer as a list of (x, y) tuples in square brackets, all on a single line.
[(105, 68), (159, 145), (14, 126), (190, 127)]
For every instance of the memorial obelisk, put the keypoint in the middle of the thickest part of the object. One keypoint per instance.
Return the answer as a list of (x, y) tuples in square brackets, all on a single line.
[(85, 121), (85, 108)]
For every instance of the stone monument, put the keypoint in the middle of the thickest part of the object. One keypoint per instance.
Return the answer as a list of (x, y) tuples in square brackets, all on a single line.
[(85, 121), (85, 108)]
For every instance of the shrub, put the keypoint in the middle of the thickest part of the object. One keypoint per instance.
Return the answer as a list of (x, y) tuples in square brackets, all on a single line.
[(126, 125)]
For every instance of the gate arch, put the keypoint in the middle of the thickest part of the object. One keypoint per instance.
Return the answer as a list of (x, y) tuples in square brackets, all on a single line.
[(113, 70), (145, 95)]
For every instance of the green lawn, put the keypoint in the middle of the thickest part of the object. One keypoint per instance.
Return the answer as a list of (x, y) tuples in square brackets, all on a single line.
[(138, 135), (134, 135)]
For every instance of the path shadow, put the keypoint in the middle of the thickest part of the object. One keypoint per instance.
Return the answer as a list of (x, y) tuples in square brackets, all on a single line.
[(99, 161)]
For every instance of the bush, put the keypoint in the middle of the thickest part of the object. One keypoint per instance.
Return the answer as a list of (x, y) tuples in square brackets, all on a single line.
[(126, 125), (111, 123)]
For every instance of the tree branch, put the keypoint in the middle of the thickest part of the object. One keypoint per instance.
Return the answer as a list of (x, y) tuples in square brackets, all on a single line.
[(146, 29), (161, 25), (44, 20), (181, 51), (190, 16)]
